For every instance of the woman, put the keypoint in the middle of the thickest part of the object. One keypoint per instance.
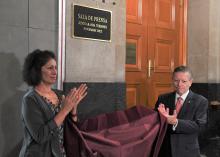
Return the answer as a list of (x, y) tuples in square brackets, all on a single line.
[(45, 109)]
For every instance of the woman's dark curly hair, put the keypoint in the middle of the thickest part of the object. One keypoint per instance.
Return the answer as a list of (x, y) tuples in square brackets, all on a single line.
[(32, 66)]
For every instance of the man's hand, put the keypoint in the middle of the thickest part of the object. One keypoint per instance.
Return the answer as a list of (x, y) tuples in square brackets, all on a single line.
[(171, 119)]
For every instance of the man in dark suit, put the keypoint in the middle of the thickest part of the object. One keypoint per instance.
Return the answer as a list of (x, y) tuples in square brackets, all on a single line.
[(186, 114)]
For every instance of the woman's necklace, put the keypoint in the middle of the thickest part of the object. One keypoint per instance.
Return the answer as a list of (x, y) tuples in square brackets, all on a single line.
[(49, 95)]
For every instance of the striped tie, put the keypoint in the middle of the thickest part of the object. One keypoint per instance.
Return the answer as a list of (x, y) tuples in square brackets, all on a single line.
[(179, 104)]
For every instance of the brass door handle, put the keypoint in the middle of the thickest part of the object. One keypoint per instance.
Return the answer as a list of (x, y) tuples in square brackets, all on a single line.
[(150, 67)]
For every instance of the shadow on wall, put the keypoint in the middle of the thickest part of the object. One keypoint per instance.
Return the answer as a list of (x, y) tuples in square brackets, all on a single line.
[(10, 105)]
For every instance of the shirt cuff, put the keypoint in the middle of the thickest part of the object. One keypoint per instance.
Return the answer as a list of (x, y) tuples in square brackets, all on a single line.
[(175, 125)]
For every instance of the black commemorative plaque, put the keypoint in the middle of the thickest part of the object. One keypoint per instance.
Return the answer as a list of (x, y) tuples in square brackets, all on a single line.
[(91, 23)]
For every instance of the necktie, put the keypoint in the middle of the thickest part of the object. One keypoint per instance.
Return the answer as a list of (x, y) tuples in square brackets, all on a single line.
[(179, 104)]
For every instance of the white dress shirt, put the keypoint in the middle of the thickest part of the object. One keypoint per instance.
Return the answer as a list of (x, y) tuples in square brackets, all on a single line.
[(183, 98)]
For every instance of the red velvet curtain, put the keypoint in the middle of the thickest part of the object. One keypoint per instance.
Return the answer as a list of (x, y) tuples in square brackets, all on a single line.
[(135, 132)]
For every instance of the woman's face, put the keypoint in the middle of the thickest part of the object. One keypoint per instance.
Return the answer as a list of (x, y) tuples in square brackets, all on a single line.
[(49, 72)]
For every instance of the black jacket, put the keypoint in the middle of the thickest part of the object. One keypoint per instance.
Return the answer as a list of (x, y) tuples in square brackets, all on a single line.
[(40, 130), (183, 142)]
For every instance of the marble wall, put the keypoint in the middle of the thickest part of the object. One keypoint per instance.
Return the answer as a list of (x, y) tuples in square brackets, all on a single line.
[(214, 40), (204, 60), (93, 60), (198, 39), (203, 40), (24, 26), (100, 64)]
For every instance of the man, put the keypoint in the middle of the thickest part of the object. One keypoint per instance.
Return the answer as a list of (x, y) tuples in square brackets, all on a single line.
[(186, 116)]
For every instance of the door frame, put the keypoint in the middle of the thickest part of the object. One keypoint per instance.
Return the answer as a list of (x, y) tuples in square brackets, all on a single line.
[(183, 29)]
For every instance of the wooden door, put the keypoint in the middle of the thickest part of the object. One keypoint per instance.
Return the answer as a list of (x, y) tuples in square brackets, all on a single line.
[(136, 52), (155, 45)]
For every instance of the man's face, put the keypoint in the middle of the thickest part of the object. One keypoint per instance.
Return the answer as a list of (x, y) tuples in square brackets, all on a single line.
[(182, 82)]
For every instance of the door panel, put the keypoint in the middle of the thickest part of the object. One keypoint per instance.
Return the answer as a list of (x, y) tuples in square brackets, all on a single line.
[(133, 92), (165, 12), (154, 47), (161, 88), (163, 46), (133, 52), (136, 36), (134, 11), (164, 55)]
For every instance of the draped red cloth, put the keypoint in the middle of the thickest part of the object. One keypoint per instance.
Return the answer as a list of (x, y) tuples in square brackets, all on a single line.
[(135, 132)]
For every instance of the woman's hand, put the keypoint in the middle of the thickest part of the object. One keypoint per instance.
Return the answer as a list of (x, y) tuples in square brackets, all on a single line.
[(70, 100), (81, 92)]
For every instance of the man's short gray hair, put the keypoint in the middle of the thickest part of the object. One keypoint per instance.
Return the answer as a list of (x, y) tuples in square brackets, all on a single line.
[(183, 68)]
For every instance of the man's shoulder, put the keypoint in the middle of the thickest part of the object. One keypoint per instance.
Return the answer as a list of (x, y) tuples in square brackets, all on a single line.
[(198, 96)]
